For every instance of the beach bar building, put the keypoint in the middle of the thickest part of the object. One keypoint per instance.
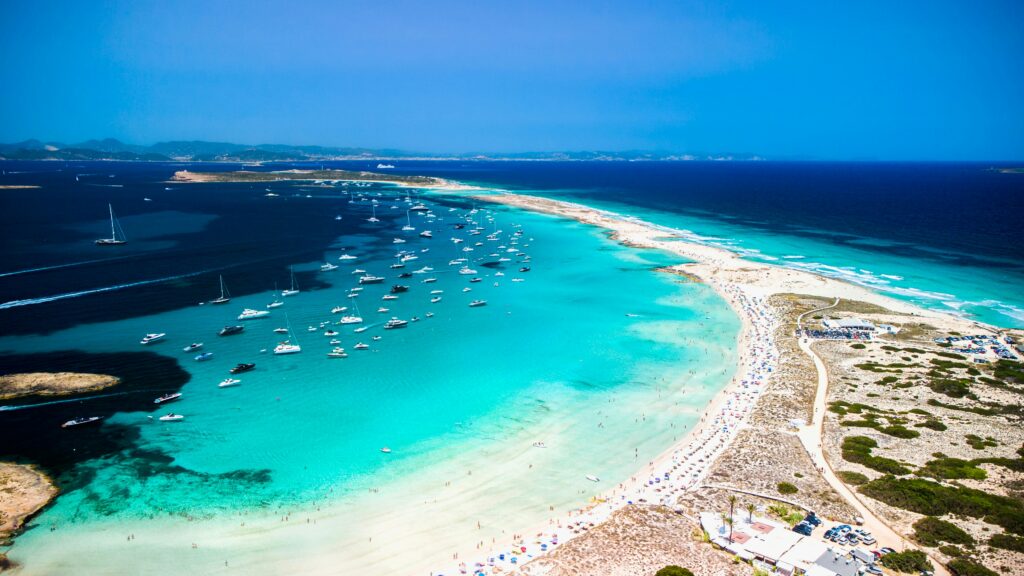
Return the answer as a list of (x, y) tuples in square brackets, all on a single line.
[(854, 324)]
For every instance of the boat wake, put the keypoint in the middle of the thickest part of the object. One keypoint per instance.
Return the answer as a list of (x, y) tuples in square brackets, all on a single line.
[(55, 297), (64, 401)]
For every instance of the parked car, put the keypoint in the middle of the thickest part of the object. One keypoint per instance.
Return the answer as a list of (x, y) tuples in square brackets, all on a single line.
[(872, 569), (886, 550)]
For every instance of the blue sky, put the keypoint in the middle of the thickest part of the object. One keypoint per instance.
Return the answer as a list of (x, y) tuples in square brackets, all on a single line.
[(844, 80)]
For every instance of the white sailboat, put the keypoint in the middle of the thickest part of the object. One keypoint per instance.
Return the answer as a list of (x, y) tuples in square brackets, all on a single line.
[(294, 289), (408, 223), (115, 227), (374, 217), (286, 347), (353, 319), (225, 296)]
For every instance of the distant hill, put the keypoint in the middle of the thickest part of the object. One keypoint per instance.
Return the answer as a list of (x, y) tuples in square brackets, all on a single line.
[(202, 151)]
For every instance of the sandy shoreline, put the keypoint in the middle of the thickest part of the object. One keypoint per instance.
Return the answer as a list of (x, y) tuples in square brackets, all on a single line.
[(746, 286)]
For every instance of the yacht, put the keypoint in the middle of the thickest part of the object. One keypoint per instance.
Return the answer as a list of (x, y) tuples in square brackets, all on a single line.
[(435, 299), (280, 330), (251, 314), (224, 297), (327, 267), (437, 291), (275, 304), (429, 280), (524, 269), (294, 289), (229, 382), (386, 450), (395, 323), (383, 310), (81, 421), (192, 347), (229, 330), (426, 234), (203, 357), (167, 398), (338, 309), (350, 320), (467, 289), (466, 271), (172, 417), (408, 257), (398, 288), (476, 303), (361, 329), (115, 227), (405, 275), (362, 346), (151, 338), (429, 314), (419, 208), (330, 333), (370, 279), (358, 271), (337, 353), (389, 297), (345, 257), (397, 265), (475, 280), (398, 241), (243, 367), (287, 348)]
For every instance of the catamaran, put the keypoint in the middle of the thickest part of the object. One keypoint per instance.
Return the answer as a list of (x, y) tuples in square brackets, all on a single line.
[(225, 296), (115, 227), (294, 289), (408, 223), (286, 347)]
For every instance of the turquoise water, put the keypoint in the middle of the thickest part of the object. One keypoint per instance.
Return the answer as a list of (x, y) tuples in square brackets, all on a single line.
[(988, 293), (594, 354)]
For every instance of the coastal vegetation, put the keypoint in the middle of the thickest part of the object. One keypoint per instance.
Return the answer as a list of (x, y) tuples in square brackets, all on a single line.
[(932, 531), (673, 571), (857, 449), (852, 478), (965, 567), (787, 488), (909, 561)]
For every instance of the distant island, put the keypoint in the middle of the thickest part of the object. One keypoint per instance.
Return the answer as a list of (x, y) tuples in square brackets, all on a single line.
[(202, 151), (322, 175)]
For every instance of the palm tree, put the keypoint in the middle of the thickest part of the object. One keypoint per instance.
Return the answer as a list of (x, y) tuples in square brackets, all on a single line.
[(732, 505), (750, 512)]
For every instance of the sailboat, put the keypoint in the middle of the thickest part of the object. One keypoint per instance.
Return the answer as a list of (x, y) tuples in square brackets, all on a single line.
[(408, 223), (353, 319), (276, 303), (287, 347), (294, 289), (115, 227), (225, 296), (374, 217)]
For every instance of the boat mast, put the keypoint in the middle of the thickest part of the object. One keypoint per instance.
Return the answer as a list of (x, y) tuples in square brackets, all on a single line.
[(113, 235)]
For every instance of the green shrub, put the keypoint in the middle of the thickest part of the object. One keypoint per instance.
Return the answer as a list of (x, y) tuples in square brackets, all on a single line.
[(979, 443), (950, 387), (932, 531), (899, 431), (934, 499), (1007, 542), (951, 551), (857, 449), (673, 571), (932, 425), (909, 561), (851, 477), (858, 346), (787, 488), (965, 567), (952, 468)]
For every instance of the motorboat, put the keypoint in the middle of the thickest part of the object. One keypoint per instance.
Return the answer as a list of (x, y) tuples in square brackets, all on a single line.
[(466, 271), (426, 234), (337, 353), (338, 309), (370, 279), (192, 347), (395, 323), (429, 280), (397, 265), (287, 348), (405, 275), (475, 280), (593, 478), (243, 367), (467, 289), (252, 314), (429, 314), (477, 303), (330, 333), (228, 382), (398, 241), (350, 320), (280, 330), (386, 450), (361, 346), (437, 291), (229, 330), (389, 297), (383, 310), (81, 421), (151, 338), (334, 342), (435, 299), (345, 257), (171, 417), (203, 357), (169, 397), (358, 271), (397, 288), (327, 267)]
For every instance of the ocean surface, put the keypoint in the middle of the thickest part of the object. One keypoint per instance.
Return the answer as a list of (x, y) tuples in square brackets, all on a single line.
[(594, 353)]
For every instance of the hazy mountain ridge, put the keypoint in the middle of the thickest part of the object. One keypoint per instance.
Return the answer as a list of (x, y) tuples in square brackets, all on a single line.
[(203, 151)]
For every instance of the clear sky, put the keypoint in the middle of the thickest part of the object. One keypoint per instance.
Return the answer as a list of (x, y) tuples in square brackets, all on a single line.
[(833, 80)]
